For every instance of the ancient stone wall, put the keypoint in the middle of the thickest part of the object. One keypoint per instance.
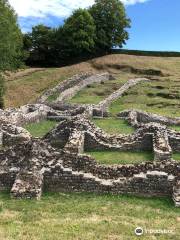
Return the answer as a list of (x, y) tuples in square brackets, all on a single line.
[(136, 116), (71, 92), (102, 107), (57, 163), (152, 183), (25, 114), (67, 89)]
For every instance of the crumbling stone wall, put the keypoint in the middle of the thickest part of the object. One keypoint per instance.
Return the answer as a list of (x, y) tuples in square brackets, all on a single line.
[(37, 166), (138, 117), (67, 89), (174, 140), (71, 92), (57, 163), (102, 107), (25, 114), (11, 135)]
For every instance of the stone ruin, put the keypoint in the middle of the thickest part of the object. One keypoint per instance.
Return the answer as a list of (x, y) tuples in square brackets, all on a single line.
[(56, 162)]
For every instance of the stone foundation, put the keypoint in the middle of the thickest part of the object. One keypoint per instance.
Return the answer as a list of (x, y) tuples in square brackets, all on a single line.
[(56, 163)]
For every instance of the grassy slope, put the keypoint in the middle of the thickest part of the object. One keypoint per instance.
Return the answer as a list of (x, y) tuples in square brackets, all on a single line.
[(160, 96), (116, 157), (146, 97), (95, 93), (35, 84), (86, 217), (41, 128)]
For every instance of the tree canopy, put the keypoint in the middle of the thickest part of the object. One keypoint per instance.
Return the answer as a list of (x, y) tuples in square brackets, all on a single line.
[(85, 33), (111, 23), (39, 43), (11, 44), (11, 38), (78, 34)]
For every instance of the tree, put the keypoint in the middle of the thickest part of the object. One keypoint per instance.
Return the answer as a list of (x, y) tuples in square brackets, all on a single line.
[(1, 91), (11, 44), (111, 23), (77, 35), (39, 44), (10, 38)]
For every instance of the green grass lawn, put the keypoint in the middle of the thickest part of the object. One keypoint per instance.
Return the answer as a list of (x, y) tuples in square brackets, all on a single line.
[(117, 157), (96, 92), (41, 128), (176, 156), (70, 216), (148, 97), (177, 128), (114, 125), (53, 97)]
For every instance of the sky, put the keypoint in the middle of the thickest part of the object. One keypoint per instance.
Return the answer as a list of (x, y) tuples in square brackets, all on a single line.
[(155, 23)]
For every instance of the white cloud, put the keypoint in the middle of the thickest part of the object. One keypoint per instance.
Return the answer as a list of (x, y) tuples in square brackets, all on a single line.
[(59, 8)]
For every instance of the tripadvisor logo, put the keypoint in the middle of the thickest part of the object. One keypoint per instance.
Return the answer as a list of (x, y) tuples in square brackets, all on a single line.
[(139, 231)]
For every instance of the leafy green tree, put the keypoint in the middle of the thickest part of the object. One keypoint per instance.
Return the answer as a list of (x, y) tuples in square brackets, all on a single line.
[(1, 91), (10, 38), (111, 23), (27, 41), (11, 44), (27, 46), (77, 35), (40, 43)]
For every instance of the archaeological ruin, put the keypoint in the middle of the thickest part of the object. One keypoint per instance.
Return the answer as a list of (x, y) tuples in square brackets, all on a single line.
[(58, 162)]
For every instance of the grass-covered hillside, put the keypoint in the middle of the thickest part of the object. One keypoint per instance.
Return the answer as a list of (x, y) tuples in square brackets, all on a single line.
[(73, 216), (162, 95)]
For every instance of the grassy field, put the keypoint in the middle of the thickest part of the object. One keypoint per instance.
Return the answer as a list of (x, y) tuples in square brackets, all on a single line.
[(53, 97), (95, 93), (73, 216), (41, 128), (117, 157), (87, 217), (161, 95), (114, 125), (177, 128), (34, 84), (149, 97), (176, 156)]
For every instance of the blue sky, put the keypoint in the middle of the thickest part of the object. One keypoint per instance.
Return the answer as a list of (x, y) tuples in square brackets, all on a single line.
[(155, 23)]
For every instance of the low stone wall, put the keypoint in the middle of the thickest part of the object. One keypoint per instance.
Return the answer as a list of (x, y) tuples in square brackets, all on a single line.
[(174, 140), (145, 184), (25, 114), (11, 135), (102, 107), (75, 142), (71, 92), (56, 163), (146, 137), (135, 117), (34, 165), (27, 185), (88, 164), (71, 86)]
